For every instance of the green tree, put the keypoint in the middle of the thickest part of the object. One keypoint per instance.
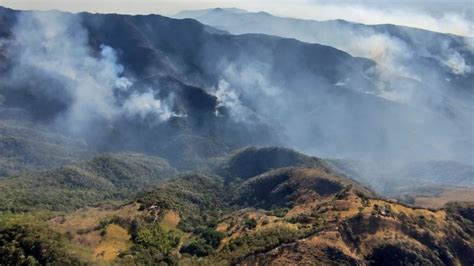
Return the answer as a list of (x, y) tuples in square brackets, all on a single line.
[(197, 248), (155, 236), (251, 223), (212, 237)]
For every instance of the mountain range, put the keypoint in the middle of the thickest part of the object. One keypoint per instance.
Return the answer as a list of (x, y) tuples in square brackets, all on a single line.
[(154, 140)]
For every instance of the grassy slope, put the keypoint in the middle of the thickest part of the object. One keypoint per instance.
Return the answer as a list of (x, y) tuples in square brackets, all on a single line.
[(198, 219), (344, 226)]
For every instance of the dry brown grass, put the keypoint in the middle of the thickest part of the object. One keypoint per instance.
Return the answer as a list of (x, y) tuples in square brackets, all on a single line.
[(170, 220), (90, 217), (116, 240), (222, 227), (91, 246), (397, 208), (331, 239), (238, 218)]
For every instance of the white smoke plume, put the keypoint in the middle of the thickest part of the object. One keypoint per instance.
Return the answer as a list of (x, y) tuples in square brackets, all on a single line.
[(146, 104), (55, 46), (456, 63), (229, 98), (226, 97)]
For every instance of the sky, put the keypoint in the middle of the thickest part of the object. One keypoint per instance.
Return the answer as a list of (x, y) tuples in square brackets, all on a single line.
[(450, 16)]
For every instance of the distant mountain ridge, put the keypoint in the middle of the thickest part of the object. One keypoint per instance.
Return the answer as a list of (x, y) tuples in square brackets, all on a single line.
[(403, 49)]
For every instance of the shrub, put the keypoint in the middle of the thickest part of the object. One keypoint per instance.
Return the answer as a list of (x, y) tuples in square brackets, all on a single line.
[(197, 248), (301, 218), (155, 236), (212, 237), (342, 194), (279, 212), (421, 221), (403, 217), (251, 223)]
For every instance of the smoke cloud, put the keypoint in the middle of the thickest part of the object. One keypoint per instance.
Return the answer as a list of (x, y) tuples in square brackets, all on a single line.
[(146, 105), (456, 62), (52, 49), (414, 67), (226, 97), (408, 106)]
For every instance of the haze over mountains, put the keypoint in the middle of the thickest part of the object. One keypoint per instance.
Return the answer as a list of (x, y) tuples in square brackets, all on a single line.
[(340, 104), (148, 118), (430, 58), (440, 62)]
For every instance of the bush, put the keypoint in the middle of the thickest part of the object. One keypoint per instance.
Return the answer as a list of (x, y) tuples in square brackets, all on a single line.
[(342, 194), (301, 218), (158, 238), (251, 223), (262, 241), (197, 248), (279, 212), (212, 237)]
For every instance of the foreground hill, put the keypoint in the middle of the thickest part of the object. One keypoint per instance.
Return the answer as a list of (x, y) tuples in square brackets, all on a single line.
[(283, 208)]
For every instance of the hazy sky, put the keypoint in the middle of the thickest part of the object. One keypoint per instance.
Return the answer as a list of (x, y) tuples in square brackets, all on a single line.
[(453, 16)]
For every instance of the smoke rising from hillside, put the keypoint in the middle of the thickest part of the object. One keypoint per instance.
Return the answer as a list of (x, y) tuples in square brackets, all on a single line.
[(52, 50), (408, 113), (394, 49), (334, 121), (415, 103), (146, 105), (228, 98)]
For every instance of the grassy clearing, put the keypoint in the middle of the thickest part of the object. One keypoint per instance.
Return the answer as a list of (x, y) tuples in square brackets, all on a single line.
[(170, 220), (115, 241)]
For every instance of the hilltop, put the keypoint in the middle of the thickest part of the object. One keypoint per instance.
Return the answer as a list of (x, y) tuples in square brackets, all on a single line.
[(285, 208)]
